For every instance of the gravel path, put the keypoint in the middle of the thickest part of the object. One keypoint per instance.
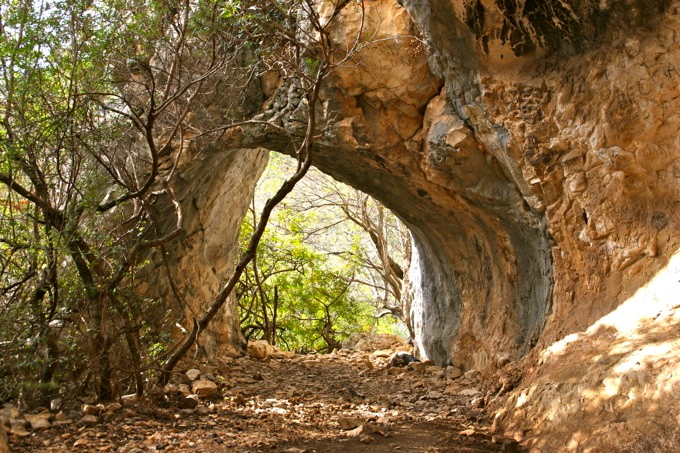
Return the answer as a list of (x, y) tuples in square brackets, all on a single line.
[(342, 402)]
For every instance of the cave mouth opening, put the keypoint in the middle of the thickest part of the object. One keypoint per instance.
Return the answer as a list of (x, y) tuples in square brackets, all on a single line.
[(331, 264)]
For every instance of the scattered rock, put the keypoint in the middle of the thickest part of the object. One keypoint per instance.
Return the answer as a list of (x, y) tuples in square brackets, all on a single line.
[(453, 373), (18, 422), (89, 420), (204, 388), (19, 431), (10, 411), (366, 439), (89, 409), (470, 392), (55, 404), (187, 402), (266, 403), (62, 419), (203, 410), (193, 374), (209, 377), (259, 349), (346, 423), (418, 367), (39, 421), (355, 394), (171, 389), (113, 407), (358, 431), (473, 375), (433, 395), (82, 442), (129, 400), (400, 358)]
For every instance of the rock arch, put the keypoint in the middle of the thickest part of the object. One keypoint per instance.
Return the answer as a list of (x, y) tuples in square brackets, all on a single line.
[(512, 165), (531, 147)]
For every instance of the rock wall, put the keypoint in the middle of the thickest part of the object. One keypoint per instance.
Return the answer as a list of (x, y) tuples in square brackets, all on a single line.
[(481, 272), (193, 270), (533, 150), (557, 133), (213, 182), (579, 115)]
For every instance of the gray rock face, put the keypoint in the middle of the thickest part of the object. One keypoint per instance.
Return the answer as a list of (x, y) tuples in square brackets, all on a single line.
[(481, 274)]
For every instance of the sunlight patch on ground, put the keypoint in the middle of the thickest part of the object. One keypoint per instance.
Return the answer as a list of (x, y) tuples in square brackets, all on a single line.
[(659, 296), (620, 377)]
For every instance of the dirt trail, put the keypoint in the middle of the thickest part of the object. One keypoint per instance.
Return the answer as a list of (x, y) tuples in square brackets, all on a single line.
[(344, 402)]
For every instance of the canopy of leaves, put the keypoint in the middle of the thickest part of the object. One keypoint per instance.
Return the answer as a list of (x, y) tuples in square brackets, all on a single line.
[(92, 95)]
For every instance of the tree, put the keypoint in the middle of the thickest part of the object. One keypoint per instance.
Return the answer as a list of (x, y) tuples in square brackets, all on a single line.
[(297, 297), (375, 237), (90, 114), (99, 102), (305, 57), (318, 276)]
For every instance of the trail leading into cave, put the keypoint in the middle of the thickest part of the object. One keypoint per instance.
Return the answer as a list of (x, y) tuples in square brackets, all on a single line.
[(348, 401)]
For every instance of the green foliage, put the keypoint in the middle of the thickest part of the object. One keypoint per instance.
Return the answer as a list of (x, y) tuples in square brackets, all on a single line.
[(61, 304), (93, 96), (315, 309), (311, 65), (306, 290)]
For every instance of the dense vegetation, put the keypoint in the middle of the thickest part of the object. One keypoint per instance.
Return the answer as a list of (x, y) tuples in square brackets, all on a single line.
[(96, 101)]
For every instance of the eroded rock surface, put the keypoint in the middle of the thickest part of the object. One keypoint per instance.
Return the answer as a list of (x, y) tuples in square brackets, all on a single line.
[(533, 150), (615, 384)]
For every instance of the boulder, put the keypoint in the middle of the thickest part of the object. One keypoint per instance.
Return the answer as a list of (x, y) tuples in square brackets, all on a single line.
[(193, 374), (62, 419), (260, 349), (89, 420), (19, 431), (401, 358), (204, 388), (39, 421), (453, 373)]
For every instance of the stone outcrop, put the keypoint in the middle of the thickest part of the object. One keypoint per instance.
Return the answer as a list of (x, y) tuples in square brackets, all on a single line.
[(614, 386), (189, 276), (213, 183), (533, 150)]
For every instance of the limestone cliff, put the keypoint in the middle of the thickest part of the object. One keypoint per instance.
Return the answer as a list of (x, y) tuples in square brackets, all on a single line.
[(533, 150)]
